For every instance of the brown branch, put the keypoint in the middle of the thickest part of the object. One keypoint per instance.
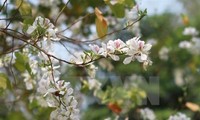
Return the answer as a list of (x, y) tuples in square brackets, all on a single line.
[(116, 31), (15, 17), (51, 64), (3, 5), (50, 55), (12, 72), (13, 49), (108, 34), (72, 40)]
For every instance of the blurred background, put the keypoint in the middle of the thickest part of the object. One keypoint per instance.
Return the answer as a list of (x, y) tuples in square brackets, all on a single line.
[(176, 66)]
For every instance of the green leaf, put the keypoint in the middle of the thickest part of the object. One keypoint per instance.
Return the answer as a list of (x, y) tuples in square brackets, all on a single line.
[(129, 3), (3, 81), (21, 62), (118, 10), (24, 8), (28, 68), (15, 116), (26, 23)]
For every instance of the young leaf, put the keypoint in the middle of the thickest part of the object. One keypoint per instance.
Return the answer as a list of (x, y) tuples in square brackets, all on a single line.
[(3, 81), (185, 19), (129, 3), (21, 61), (101, 24), (119, 8), (24, 8)]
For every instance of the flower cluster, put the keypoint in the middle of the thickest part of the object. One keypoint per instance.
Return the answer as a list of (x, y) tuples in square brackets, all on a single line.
[(193, 46), (43, 27), (133, 49), (179, 116), (58, 94), (147, 114), (163, 53), (68, 107), (190, 31), (51, 91)]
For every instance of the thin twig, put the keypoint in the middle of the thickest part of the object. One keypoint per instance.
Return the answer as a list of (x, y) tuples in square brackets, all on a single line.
[(3, 5), (61, 11), (116, 31), (51, 65), (14, 14), (110, 33), (66, 48), (76, 21), (12, 72), (13, 49)]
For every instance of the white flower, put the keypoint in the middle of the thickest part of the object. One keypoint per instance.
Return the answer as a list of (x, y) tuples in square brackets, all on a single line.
[(163, 53), (50, 31), (95, 48), (146, 64), (179, 116), (190, 31), (49, 3), (192, 46), (137, 49), (51, 101), (178, 77), (69, 111), (31, 29), (80, 58), (134, 49), (105, 50), (92, 70), (43, 85), (185, 44), (1, 63), (94, 84), (61, 88), (152, 41), (29, 82), (147, 114), (113, 2), (195, 49), (116, 44), (51, 34)]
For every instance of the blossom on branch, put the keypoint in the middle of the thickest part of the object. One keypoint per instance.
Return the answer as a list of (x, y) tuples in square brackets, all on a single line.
[(136, 49), (43, 27), (133, 49), (179, 116)]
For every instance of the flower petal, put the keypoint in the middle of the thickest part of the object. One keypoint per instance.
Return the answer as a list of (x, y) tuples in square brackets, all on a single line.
[(114, 57), (147, 47), (127, 60), (31, 29)]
